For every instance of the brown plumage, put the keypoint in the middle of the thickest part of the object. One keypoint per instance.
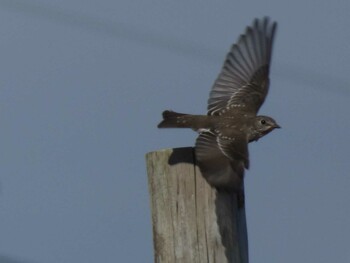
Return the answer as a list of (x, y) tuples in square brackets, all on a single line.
[(235, 99)]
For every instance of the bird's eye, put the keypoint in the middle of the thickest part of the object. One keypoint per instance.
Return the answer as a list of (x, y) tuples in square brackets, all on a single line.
[(262, 121)]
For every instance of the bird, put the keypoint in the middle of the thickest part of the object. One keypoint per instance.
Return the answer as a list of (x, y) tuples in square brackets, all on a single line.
[(221, 148)]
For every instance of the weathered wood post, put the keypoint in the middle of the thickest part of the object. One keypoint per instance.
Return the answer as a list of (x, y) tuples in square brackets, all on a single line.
[(192, 222)]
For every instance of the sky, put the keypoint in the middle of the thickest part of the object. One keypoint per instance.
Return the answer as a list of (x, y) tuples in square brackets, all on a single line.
[(82, 88)]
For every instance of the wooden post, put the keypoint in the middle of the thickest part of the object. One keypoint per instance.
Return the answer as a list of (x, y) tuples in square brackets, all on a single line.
[(192, 222)]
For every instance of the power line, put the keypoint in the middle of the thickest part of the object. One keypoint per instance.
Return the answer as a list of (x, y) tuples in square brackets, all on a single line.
[(148, 38), (108, 28)]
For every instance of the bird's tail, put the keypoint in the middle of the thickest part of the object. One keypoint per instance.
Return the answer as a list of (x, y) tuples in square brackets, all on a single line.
[(173, 119)]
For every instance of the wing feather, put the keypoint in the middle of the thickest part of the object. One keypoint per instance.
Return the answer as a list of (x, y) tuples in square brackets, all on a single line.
[(244, 79), (222, 160)]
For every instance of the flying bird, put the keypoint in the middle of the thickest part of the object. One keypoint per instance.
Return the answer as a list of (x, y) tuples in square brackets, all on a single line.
[(221, 148)]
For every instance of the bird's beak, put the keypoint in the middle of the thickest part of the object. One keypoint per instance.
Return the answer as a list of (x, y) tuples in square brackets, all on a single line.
[(277, 126)]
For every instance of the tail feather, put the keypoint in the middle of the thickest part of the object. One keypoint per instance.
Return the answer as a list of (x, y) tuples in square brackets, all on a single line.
[(173, 119)]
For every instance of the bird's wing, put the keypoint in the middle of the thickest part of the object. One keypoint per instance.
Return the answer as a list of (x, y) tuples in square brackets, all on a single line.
[(221, 161), (210, 146), (243, 82), (234, 148)]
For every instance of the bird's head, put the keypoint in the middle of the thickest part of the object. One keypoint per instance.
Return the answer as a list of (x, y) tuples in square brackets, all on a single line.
[(262, 126)]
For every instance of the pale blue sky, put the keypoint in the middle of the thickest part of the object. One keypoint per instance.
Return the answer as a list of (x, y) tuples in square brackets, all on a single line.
[(82, 88)]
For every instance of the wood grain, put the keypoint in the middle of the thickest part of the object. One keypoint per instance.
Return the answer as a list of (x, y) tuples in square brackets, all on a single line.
[(192, 222)]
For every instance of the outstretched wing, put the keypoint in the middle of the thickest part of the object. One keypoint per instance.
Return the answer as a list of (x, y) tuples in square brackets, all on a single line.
[(244, 79), (222, 160)]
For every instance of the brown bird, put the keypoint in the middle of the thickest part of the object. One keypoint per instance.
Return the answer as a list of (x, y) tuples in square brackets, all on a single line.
[(231, 122)]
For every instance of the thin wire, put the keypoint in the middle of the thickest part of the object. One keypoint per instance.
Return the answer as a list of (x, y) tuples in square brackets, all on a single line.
[(119, 30), (108, 28)]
